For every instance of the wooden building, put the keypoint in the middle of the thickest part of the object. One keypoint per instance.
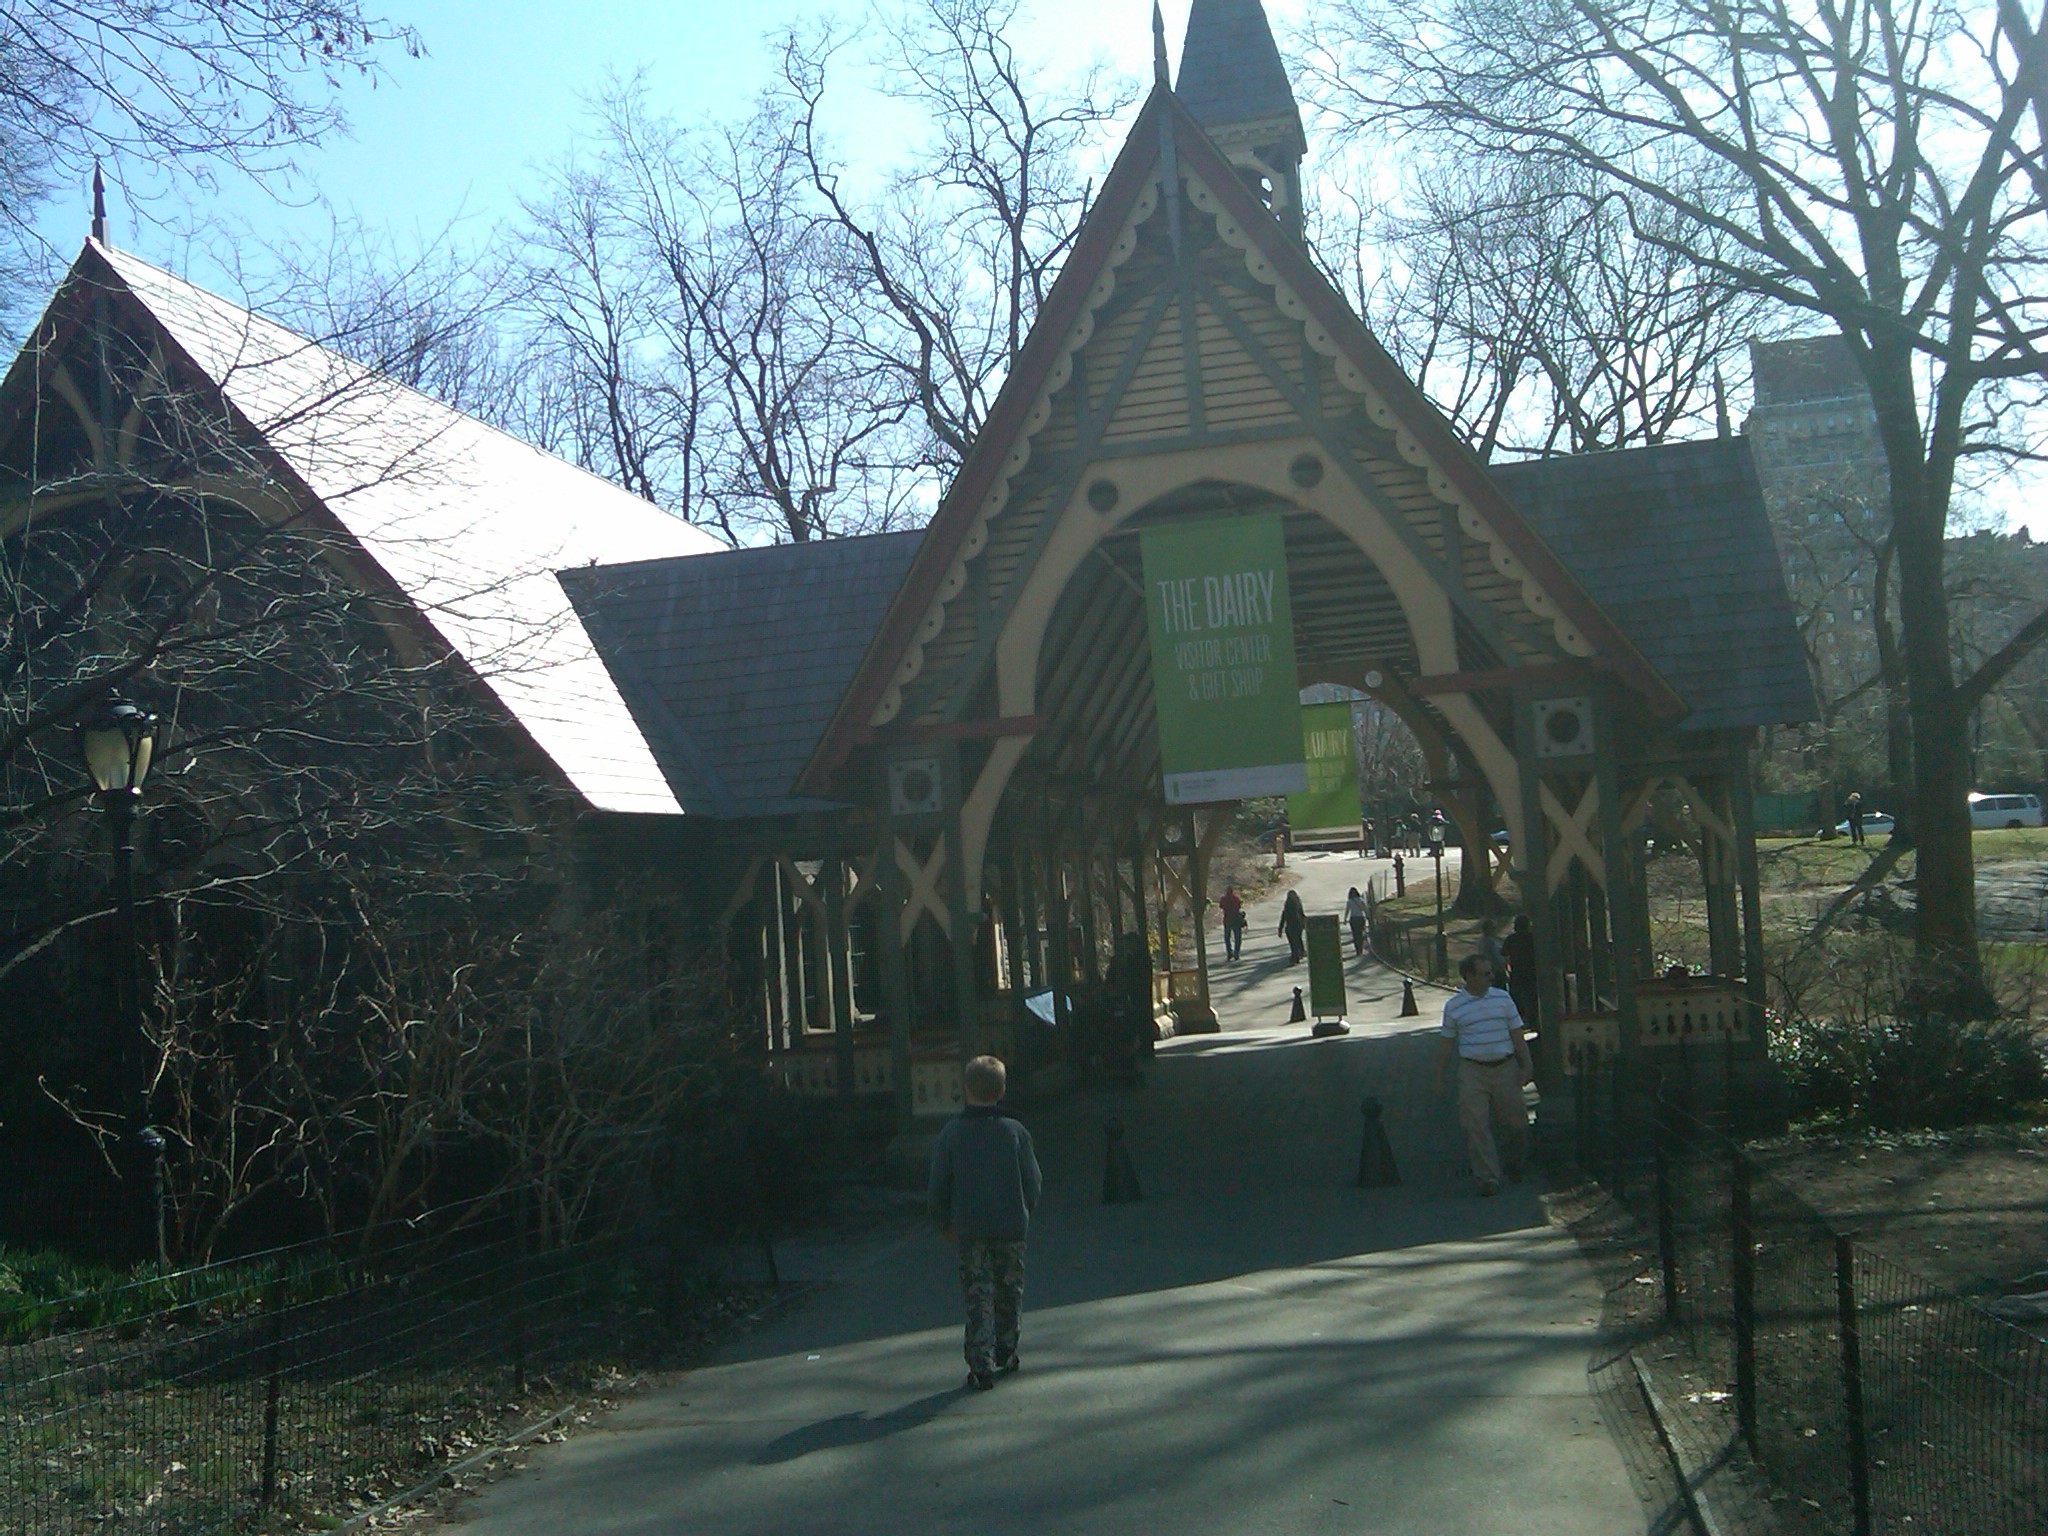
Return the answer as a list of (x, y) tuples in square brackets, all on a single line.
[(932, 757), (912, 779)]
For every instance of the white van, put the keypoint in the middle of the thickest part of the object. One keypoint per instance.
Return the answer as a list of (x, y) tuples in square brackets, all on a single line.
[(2004, 811)]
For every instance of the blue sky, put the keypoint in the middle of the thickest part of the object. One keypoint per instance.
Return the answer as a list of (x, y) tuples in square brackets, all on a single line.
[(465, 131), (499, 94)]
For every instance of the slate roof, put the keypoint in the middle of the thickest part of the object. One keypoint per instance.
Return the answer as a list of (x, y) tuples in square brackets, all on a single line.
[(1230, 69), (733, 663), (468, 521), (1673, 542)]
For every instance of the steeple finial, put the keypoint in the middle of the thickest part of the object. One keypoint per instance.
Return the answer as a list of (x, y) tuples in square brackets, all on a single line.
[(99, 205), (1159, 71), (1722, 427)]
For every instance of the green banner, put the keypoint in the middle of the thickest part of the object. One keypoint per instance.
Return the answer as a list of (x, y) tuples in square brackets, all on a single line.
[(1223, 677), (1331, 799), (1325, 967)]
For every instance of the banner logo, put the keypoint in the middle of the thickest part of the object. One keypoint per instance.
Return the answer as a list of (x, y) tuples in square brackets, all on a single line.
[(1223, 674)]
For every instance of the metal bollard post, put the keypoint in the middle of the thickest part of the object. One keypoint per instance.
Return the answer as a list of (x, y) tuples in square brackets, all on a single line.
[(1667, 1230), (1852, 1381), (1376, 1168), (1119, 1173), (519, 1276), (1742, 1268), (273, 1382)]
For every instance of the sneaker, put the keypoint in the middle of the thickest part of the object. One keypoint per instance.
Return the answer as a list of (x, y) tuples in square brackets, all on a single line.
[(1007, 1365), (1488, 1189), (980, 1381)]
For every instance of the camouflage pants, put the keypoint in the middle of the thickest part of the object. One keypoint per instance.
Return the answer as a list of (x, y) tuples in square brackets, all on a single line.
[(992, 1281)]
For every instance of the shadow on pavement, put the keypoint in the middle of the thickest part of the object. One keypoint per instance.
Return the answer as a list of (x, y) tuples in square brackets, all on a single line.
[(848, 1429)]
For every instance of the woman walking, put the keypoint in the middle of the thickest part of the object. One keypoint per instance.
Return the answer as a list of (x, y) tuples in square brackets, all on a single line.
[(1354, 914), (1294, 927)]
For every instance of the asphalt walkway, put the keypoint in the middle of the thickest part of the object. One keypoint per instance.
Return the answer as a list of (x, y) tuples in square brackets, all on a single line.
[(1257, 1347)]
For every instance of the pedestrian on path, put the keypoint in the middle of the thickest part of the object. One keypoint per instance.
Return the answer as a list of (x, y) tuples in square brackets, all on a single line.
[(984, 1186), (1232, 907), (1856, 817), (1482, 1032), (1354, 914), (1294, 927)]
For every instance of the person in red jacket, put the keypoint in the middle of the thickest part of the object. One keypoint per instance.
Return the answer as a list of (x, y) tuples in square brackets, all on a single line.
[(1231, 905)]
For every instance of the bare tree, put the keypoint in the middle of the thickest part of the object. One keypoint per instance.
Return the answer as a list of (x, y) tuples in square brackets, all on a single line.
[(184, 87), (976, 222), (1521, 297), (1877, 165)]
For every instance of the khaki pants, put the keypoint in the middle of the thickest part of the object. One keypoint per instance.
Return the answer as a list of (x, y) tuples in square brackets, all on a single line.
[(1490, 1103)]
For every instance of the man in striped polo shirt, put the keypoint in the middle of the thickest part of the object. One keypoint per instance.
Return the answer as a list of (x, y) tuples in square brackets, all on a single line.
[(1483, 1032)]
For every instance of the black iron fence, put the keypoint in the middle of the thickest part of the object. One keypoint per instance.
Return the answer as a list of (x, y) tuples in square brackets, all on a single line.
[(297, 1387), (1883, 1401)]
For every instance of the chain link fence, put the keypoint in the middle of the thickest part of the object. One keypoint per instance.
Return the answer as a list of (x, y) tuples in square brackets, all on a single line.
[(1881, 1401), (300, 1386)]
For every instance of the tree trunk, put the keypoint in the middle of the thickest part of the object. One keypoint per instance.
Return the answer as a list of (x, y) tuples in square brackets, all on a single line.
[(1948, 975)]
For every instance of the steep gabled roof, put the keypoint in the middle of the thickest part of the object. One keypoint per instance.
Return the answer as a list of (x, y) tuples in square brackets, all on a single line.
[(1674, 542), (468, 522), (1165, 119), (732, 663)]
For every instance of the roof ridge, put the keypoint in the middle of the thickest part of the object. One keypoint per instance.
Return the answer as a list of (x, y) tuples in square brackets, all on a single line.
[(116, 256)]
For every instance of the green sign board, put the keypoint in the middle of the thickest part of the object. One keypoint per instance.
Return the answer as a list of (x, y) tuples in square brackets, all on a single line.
[(1325, 968), (1223, 677), (1331, 799)]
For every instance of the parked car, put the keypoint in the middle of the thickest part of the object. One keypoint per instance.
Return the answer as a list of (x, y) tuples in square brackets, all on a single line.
[(1875, 823), (2004, 811)]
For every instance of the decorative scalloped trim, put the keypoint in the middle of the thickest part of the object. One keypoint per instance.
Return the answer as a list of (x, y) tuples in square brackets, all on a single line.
[(1534, 598), (955, 579)]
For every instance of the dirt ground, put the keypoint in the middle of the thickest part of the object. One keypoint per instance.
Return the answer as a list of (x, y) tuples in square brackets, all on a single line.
[(1967, 1209)]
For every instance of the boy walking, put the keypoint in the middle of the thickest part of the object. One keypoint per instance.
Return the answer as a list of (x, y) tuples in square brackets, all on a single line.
[(984, 1187)]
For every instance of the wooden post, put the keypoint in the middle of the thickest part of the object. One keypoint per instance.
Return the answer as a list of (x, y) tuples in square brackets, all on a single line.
[(964, 909), (1621, 916), (839, 956), (895, 976), (1743, 815), (1534, 886), (1198, 902)]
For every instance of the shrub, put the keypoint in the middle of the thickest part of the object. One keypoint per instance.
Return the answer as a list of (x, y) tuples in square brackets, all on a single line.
[(1898, 1074)]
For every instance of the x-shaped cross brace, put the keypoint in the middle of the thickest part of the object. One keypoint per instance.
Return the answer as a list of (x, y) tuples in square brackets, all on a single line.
[(923, 894), (1574, 836)]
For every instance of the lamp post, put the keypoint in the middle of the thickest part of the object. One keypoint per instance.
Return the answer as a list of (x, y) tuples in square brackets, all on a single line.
[(1436, 854), (117, 740)]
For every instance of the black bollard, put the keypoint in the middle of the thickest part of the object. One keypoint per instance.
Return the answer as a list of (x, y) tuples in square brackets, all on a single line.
[(1376, 1168), (1408, 1008), (1300, 1014), (1119, 1175)]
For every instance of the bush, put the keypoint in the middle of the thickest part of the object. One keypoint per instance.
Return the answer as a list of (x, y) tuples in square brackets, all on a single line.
[(1900, 1074)]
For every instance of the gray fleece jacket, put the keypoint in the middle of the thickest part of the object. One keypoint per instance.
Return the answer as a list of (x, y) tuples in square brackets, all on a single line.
[(985, 1178)]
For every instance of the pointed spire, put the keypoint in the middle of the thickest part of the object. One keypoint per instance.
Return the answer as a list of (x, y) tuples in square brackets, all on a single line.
[(1233, 83), (99, 205), (1159, 72), (1722, 427), (1231, 75)]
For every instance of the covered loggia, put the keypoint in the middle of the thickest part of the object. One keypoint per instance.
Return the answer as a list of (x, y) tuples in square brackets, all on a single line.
[(932, 760)]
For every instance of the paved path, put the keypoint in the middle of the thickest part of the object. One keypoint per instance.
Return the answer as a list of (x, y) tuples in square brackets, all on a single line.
[(1258, 1347)]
